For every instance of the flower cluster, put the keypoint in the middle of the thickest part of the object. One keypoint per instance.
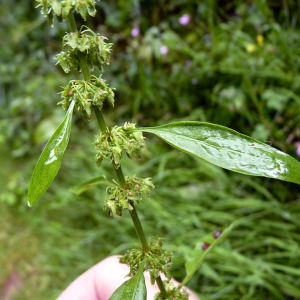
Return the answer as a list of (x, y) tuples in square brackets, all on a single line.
[(173, 292), (87, 94), (156, 259), (112, 144), (62, 9), (119, 198), (87, 44)]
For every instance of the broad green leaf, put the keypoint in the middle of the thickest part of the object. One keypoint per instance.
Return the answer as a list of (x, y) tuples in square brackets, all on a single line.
[(132, 289), (86, 185), (198, 255), (228, 149), (50, 159)]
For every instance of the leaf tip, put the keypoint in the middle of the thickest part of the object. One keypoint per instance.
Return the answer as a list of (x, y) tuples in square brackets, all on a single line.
[(32, 197)]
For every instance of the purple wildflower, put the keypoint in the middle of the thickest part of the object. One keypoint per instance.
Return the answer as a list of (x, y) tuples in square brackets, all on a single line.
[(135, 31), (297, 144), (164, 50), (184, 19)]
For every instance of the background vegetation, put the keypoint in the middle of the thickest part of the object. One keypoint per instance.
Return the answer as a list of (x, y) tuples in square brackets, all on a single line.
[(235, 63)]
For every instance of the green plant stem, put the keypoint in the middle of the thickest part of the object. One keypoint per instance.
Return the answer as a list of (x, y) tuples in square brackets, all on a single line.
[(72, 23), (120, 176), (133, 213), (100, 119), (84, 67), (122, 182), (161, 287), (118, 170), (139, 229), (140, 233)]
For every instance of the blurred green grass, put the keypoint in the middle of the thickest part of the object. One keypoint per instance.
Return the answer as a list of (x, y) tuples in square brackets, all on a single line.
[(208, 76)]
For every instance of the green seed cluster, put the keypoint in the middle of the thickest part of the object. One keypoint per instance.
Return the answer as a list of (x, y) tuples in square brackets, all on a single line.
[(119, 198), (84, 44), (62, 8), (173, 292), (156, 259), (112, 144), (87, 94)]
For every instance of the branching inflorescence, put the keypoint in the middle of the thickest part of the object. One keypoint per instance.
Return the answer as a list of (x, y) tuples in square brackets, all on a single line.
[(84, 50)]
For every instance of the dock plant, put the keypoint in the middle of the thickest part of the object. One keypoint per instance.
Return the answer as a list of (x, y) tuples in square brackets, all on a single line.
[(86, 51)]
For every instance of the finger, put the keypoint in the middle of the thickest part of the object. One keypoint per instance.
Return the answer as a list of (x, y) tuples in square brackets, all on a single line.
[(111, 274), (100, 281)]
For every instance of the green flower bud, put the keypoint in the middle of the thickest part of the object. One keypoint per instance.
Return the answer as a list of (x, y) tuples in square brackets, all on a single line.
[(86, 94), (61, 9), (138, 136), (85, 44), (156, 259), (117, 141), (119, 198)]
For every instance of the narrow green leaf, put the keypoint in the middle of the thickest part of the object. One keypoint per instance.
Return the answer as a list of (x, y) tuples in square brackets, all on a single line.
[(229, 149), (198, 255), (50, 159), (86, 185), (132, 289)]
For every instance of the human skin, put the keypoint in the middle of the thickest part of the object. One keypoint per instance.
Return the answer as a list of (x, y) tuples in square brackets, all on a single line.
[(100, 281)]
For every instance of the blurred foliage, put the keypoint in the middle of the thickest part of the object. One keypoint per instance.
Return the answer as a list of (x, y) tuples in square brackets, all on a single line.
[(235, 63)]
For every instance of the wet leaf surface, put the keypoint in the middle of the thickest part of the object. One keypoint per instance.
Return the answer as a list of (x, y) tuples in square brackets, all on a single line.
[(50, 159), (229, 149)]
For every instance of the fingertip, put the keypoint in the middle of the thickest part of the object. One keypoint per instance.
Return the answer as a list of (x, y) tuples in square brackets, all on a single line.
[(110, 274)]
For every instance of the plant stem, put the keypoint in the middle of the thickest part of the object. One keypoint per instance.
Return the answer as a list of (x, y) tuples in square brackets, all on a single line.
[(133, 213), (118, 170), (138, 228), (72, 23), (140, 232), (84, 67), (122, 182), (120, 176), (161, 287), (100, 119)]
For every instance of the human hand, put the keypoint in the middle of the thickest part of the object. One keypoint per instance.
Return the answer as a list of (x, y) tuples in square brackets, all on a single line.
[(100, 281)]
